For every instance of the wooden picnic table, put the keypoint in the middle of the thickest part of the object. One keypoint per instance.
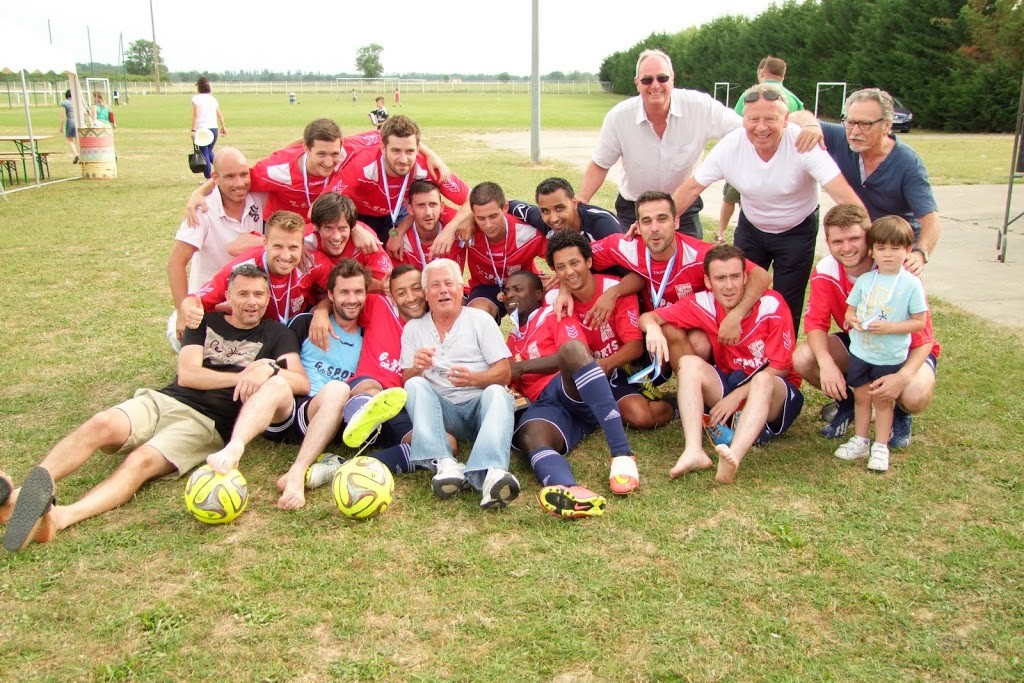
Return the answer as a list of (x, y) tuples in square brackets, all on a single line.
[(23, 142)]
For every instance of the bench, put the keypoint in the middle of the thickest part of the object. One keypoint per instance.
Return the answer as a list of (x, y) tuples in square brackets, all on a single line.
[(10, 163)]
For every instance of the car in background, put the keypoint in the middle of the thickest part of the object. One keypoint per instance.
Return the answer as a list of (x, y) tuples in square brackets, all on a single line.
[(902, 118)]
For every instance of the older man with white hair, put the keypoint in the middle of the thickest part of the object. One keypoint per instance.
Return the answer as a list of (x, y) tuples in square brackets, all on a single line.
[(455, 366), (778, 222)]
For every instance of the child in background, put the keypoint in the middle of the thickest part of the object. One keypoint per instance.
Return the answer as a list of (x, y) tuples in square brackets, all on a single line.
[(885, 307)]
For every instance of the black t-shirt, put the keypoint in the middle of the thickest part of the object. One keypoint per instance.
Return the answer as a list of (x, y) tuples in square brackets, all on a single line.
[(229, 349)]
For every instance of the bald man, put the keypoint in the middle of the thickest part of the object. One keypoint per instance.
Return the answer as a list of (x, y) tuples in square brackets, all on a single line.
[(232, 224)]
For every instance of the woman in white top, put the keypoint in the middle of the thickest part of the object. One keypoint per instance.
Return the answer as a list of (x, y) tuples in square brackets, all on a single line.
[(206, 114)]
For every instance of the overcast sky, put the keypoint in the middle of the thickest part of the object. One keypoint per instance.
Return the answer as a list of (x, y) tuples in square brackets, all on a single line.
[(451, 36)]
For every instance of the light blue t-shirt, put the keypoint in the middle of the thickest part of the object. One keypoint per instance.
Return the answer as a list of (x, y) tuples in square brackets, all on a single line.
[(339, 362), (892, 298)]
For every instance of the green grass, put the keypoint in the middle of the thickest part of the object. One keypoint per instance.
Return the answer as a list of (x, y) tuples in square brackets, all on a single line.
[(807, 569)]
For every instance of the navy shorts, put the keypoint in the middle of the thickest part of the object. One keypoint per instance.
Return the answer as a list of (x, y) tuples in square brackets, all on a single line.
[(621, 388), (292, 430), (489, 292), (791, 408), (572, 418), (931, 361), (862, 372), (394, 430)]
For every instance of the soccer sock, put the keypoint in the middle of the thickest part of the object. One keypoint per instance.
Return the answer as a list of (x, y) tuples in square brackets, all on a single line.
[(846, 403), (396, 458), (899, 413), (354, 404), (551, 468), (593, 386)]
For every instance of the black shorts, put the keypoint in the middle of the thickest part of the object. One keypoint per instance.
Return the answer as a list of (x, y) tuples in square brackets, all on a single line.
[(490, 293), (291, 430), (862, 372)]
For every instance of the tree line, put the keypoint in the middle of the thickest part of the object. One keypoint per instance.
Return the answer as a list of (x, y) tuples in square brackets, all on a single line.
[(957, 64)]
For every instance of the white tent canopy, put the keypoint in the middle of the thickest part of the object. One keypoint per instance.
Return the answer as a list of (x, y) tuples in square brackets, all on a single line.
[(19, 55)]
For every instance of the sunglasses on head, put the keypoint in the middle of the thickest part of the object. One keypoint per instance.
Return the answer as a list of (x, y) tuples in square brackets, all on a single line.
[(662, 78), (755, 95)]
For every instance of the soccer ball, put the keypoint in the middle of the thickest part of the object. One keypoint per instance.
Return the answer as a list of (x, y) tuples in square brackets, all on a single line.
[(363, 487), (216, 498)]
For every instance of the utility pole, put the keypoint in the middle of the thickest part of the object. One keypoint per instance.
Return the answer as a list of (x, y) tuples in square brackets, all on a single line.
[(92, 64), (535, 89), (156, 50)]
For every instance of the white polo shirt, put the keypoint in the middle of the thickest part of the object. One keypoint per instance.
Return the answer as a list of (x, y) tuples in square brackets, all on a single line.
[(777, 194), (215, 231), (653, 163)]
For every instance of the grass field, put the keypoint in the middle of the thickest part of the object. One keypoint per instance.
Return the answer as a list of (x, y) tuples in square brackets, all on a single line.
[(807, 569)]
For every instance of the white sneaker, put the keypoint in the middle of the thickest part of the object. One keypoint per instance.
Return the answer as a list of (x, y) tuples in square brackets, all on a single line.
[(879, 460), (322, 471), (500, 488), (854, 449), (450, 478)]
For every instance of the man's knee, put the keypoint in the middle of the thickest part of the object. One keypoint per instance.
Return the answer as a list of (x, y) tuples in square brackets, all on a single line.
[(918, 394), (574, 355), (146, 463), (496, 396), (110, 427), (804, 361), (333, 393), (699, 343), (691, 366)]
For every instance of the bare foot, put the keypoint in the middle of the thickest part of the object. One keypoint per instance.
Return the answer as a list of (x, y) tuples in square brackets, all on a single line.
[(47, 527), (293, 496), (690, 462), (226, 459), (7, 497), (728, 463)]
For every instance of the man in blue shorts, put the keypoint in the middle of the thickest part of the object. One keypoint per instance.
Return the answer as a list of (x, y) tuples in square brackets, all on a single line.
[(571, 399), (754, 375)]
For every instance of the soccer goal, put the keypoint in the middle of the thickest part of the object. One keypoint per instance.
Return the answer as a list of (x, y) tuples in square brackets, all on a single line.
[(824, 87), (726, 86), (100, 85)]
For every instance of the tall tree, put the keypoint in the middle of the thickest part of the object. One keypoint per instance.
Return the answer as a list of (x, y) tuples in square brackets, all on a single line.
[(138, 59), (368, 60)]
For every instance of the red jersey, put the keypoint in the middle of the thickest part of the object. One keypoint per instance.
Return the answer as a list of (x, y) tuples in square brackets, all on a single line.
[(382, 342), (830, 285), (491, 264), (283, 175), (687, 266), (535, 339), (289, 294), (609, 337), (377, 193), (418, 254), (766, 334)]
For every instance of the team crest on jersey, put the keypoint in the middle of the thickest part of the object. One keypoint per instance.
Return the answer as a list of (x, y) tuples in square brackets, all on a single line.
[(390, 364), (298, 303), (684, 290), (756, 349), (607, 332), (532, 350)]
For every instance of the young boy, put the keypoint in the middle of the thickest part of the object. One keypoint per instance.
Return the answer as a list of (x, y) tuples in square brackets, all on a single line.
[(885, 307)]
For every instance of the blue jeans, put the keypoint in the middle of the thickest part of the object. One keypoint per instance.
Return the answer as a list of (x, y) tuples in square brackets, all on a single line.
[(207, 151), (486, 420)]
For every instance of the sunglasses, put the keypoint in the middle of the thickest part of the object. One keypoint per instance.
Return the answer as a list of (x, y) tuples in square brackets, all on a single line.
[(662, 78), (755, 95)]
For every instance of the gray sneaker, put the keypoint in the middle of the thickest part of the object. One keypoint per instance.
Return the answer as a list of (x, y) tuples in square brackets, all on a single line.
[(500, 488), (323, 470), (450, 478)]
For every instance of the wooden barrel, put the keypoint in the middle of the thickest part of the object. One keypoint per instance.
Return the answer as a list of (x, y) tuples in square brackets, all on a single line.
[(97, 156)]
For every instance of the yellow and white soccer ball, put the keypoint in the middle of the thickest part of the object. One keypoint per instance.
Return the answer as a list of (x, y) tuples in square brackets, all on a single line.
[(363, 487), (216, 498)]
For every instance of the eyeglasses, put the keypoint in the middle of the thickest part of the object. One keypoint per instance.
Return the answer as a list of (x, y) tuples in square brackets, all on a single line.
[(662, 78), (755, 95), (864, 126)]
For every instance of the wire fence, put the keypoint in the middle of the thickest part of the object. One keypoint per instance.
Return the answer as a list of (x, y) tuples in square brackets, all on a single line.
[(46, 94)]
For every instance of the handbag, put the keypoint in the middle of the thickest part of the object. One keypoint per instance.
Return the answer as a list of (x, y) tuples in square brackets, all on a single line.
[(196, 161)]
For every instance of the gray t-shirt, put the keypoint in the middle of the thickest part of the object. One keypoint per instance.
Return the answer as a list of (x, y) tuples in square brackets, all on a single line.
[(474, 342)]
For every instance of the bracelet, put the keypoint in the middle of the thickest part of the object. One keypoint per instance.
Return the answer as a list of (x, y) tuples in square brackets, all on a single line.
[(193, 130)]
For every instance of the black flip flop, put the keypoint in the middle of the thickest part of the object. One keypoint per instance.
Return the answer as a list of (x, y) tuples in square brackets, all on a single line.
[(34, 501)]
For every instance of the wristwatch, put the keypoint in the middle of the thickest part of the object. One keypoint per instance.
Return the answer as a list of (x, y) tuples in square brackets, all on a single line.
[(275, 366), (922, 252), (393, 232)]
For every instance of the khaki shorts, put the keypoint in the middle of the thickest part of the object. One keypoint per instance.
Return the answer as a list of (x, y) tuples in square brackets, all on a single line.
[(183, 435), (730, 194)]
